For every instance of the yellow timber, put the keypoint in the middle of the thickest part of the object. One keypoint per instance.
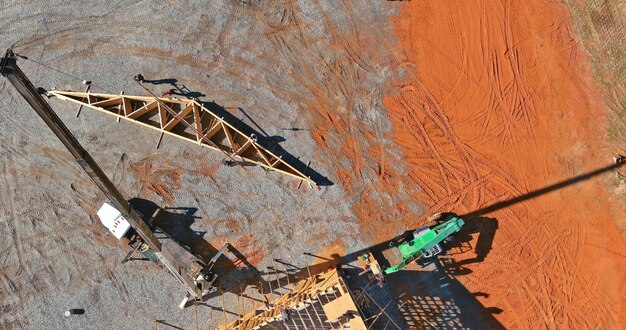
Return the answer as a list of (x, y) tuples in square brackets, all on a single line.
[(305, 293), (205, 125)]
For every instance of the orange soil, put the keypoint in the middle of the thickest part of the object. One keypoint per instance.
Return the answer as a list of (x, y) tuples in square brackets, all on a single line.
[(496, 101), (332, 251), (249, 247), (160, 181)]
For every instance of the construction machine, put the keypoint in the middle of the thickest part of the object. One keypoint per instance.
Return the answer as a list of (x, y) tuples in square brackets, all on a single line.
[(425, 242), (422, 243), (122, 220)]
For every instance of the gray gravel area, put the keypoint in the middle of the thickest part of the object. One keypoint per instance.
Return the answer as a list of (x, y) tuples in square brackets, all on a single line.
[(54, 253)]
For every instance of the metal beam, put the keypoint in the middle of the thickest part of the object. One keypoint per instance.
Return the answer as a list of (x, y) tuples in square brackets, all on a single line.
[(9, 69)]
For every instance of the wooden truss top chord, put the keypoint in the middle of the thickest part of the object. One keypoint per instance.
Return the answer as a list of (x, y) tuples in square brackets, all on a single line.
[(189, 120)]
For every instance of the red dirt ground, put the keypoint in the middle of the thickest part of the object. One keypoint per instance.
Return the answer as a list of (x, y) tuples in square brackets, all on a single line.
[(498, 101)]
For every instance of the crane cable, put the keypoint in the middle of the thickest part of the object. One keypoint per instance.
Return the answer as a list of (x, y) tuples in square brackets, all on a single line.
[(24, 57), (168, 109)]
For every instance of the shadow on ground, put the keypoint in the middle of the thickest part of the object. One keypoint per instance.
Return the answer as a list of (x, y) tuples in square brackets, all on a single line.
[(433, 299), (430, 297), (233, 268), (271, 143), (427, 295)]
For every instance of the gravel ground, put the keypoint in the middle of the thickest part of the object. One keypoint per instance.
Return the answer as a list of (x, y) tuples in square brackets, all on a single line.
[(409, 108), (54, 254)]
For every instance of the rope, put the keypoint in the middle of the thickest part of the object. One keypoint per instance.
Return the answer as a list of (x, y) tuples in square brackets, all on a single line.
[(24, 57), (173, 113)]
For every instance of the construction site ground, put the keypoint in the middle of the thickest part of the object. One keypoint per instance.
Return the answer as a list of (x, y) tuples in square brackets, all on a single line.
[(407, 107)]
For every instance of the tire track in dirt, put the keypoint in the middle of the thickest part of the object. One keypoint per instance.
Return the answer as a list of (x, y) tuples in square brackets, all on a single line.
[(35, 224), (325, 75), (534, 239), (464, 173), (21, 266), (62, 23), (10, 284), (160, 180)]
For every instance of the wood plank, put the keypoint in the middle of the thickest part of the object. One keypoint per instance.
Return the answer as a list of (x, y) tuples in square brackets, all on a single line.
[(101, 95), (198, 119), (127, 107), (182, 114), (120, 107), (107, 103), (212, 131), (243, 148), (162, 115), (146, 108), (278, 160), (229, 137), (259, 152)]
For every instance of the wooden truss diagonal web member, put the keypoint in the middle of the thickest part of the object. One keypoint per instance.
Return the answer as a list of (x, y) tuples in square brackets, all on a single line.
[(189, 120)]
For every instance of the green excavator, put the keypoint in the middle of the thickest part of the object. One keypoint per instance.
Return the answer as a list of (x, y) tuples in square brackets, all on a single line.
[(426, 242), (422, 243)]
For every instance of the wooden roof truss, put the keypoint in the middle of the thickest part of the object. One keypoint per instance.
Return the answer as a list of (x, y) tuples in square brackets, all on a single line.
[(188, 120), (306, 299)]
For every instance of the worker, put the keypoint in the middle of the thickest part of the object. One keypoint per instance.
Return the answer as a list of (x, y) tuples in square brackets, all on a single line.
[(139, 78), (170, 92), (342, 271)]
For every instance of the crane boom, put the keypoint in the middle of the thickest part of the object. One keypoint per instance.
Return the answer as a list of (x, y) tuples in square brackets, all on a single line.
[(189, 269), (9, 69)]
